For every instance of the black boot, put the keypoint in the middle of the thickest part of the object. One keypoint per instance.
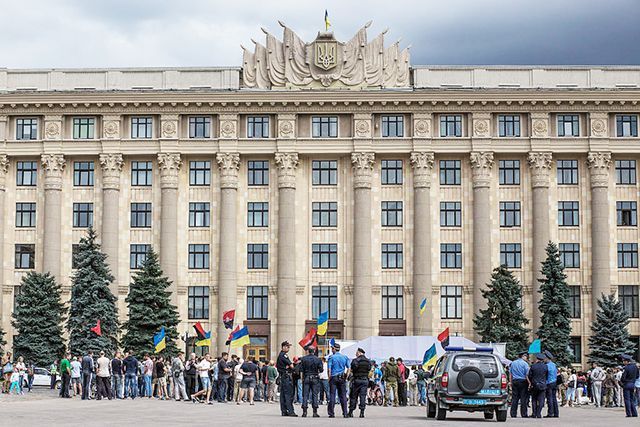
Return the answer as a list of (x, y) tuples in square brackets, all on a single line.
[(304, 413), (315, 414), (361, 413), (350, 414)]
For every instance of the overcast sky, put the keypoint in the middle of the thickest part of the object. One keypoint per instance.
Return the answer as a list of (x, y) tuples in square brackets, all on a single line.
[(138, 33)]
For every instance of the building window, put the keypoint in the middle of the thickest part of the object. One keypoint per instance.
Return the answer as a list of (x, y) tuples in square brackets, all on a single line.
[(198, 256), (140, 215), (450, 255), (138, 255), (567, 172), (25, 214), (324, 298), (324, 214), (508, 125), (141, 127), (324, 172), (627, 214), (568, 214), (392, 302), (324, 255), (626, 172), (568, 125), (627, 255), (511, 255), (570, 254), (198, 302), (451, 125), (199, 214), (258, 214), (258, 127), (509, 214), (25, 256), (450, 214), (82, 215), (257, 302), (450, 172), (392, 172), (84, 127), (141, 173), (626, 125), (199, 127), (392, 214), (575, 348), (258, 256), (83, 174), (75, 250), (26, 174), (200, 173), (628, 296), (26, 128), (324, 127), (258, 172), (392, 255), (509, 171), (574, 302), (451, 302), (392, 126)]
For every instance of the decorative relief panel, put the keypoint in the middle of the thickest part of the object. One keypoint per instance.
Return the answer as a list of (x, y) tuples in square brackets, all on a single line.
[(286, 126), (169, 126), (540, 126), (481, 128)]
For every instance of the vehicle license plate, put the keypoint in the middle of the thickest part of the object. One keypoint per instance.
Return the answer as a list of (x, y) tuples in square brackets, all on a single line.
[(490, 391), (474, 401)]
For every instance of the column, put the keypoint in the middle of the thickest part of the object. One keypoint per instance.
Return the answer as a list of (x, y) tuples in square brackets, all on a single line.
[(599, 164), (4, 168), (540, 165), (228, 164), (169, 164), (286, 314), (481, 166), (53, 166), (362, 252), (111, 169), (422, 163)]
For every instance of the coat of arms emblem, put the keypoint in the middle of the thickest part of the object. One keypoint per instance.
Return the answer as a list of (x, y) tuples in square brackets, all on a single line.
[(326, 54)]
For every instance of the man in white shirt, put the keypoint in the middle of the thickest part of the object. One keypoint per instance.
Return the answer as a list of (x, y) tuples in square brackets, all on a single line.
[(324, 382), (103, 376), (76, 373), (203, 372)]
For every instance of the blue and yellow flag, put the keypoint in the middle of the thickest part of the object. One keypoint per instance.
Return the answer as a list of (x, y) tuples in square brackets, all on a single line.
[(240, 338), (423, 306), (323, 323), (206, 341), (327, 24), (430, 357), (160, 341)]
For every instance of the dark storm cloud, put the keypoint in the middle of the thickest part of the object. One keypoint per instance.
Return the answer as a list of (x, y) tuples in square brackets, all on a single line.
[(117, 33)]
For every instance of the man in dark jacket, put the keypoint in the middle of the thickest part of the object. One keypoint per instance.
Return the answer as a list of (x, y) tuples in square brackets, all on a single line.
[(360, 368), (87, 371), (130, 364), (538, 379), (628, 381)]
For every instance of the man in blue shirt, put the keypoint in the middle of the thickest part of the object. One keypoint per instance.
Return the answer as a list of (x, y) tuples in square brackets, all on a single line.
[(338, 367), (520, 385), (552, 386)]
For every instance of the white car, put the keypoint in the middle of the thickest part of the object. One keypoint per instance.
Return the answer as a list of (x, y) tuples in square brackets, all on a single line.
[(41, 377)]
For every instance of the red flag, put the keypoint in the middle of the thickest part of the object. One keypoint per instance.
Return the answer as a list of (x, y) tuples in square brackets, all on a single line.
[(228, 341), (96, 329), (444, 338), (227, 318), (199, 331), (309, 340)]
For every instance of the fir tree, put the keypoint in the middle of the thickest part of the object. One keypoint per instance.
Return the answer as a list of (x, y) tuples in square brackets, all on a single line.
[(555, 329), (92, 300), (150, 309), (503, 320), (38, 320), (609, 334)]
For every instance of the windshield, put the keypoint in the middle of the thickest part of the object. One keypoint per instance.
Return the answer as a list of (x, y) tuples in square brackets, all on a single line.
[(486, 363)]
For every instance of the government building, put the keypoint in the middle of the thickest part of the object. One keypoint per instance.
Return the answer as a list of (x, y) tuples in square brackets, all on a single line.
[(326, 175)]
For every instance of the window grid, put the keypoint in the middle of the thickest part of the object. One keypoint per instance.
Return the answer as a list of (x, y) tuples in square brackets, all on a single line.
[(258, 171), (138, 255), (324, 172), (25, 214), (627, 255), (199, 173), (141, 173), (626, 125), (511, 255), (568, 125), (84, 127), (392, 302), (570, 254), (324, 127), (509, 125), (450, 302), (141, 215), (392, 255), (199, 214), (509, 214), (628, 296), (450, 173), (392, 126), (451, 125), (198, 302), (83, 173), (141, 127), (450, 255), (627, 214), (509, 172), (257, 302), (575, 347), (258, 127), (199, 127), (450, 214), (391, 172), (567, 172), (568, 214), (26, 174), (198, 256), (324, 255), (324, 214), (26, 128), (25, 255), (257, 256), (392, 214), (324, 298), (257, 214), (625, 172), (82, 215), (575, 311)]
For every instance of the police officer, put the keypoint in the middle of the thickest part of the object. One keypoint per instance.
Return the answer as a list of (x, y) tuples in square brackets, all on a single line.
[(538, 379), (552, 386), (285, 369), (360, 368), (629, 376), (310, 367), (520, 385), (338, 368)]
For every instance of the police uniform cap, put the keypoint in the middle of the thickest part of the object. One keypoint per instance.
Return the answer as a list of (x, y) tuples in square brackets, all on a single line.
[(548, 354), (285, 343), (626, 357), (540, 356), (523, 352), (336, 346), (361, 350)]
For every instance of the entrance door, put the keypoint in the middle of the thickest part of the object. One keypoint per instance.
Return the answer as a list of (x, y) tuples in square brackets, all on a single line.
[(257, 348)]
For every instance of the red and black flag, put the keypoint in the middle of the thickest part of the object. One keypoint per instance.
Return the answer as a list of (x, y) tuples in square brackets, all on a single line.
[(227, 318), (96, 329), (444, 338), (309, 340), (199, 331), (228, 341)]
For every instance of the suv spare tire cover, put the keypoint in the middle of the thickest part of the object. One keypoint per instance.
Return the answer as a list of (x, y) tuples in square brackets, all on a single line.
[(470, 380)]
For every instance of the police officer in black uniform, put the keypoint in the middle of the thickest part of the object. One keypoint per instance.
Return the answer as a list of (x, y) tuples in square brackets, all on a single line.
[(360, 368), (285, 369), (310, 367)]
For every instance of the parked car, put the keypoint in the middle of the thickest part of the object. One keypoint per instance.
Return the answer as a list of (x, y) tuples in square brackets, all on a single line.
[(471, 380), (41, 377)]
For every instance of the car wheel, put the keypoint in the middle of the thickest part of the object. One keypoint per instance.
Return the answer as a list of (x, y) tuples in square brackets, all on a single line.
[(501, 416), (488, 415), (441, 413), (431, 409), (58, 385)]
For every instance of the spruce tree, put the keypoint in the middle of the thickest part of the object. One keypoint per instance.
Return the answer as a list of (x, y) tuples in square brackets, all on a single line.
[(150, 309), (555, 329), (38, 320), (503, 321), (92, 300), (609, 334)]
